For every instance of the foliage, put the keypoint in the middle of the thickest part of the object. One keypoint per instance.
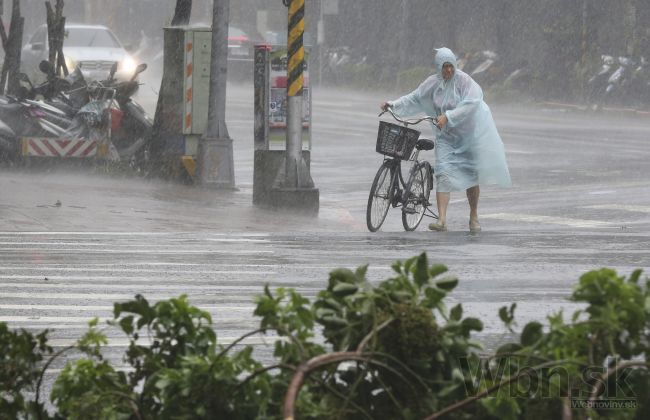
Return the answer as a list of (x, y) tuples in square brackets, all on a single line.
[(20, 353), (390, 350)]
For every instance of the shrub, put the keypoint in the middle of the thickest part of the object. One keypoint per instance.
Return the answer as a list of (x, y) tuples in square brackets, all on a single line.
[(391, 350)]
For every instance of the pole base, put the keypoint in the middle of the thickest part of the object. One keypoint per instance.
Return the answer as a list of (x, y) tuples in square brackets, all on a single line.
[(266, 192), (298, 200), (215, 168)]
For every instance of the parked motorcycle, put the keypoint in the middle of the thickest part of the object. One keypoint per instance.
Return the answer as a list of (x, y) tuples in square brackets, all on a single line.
[(102, 113), (133, 133), (21, 116), (602, 86)]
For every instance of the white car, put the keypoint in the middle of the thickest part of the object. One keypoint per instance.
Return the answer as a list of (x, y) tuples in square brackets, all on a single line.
[(94, 47)]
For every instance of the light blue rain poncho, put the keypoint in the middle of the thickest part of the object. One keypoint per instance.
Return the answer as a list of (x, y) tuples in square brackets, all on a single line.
[(468, 149)]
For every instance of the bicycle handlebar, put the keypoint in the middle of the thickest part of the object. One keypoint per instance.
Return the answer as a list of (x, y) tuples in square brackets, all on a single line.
[(433, 120)]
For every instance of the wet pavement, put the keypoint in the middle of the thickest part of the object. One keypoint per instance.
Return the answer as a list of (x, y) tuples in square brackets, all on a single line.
[(580, 201)]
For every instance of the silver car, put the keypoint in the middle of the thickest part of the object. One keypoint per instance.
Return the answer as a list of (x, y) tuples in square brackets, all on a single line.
[(93, 47)]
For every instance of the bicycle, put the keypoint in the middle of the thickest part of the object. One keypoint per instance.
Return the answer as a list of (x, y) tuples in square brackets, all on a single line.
[(389, 188)]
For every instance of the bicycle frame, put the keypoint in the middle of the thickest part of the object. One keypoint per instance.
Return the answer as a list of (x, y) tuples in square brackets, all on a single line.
[(398, 188), (409, 191)]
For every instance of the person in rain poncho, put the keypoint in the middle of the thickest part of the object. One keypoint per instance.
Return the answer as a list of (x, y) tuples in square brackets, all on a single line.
[(468, 151)]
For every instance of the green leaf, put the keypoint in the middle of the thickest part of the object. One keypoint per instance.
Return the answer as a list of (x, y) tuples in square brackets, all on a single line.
[(126, 324), (333, 320), (267, 291), (361, 272), (471, 324), (456, 313), (420, 272), (634, 277), (532, 333), (323, 312), (433, 297), (448, 284), (509, 348), (437, 269), (332, 304), (507, 315), (397, 267), (343, 275), (344, 289)]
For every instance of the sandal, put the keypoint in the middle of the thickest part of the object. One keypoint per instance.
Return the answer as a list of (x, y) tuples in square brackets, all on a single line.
[(474, 226), (438, 227)]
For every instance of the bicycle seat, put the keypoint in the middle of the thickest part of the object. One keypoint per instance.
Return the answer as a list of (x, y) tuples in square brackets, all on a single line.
[(424, 144)]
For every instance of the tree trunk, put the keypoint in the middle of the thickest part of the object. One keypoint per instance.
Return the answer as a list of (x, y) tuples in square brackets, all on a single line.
[(181, 17), (630, 24), (56, 33), (12, 46)]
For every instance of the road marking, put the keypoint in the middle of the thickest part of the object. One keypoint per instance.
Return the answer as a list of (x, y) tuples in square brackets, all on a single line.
[(85, 308), (531, 218), (85, 319), (122, 342), (86, 233), (119, 270), (109, 268), (138, 251), (126, 245), (601, 192), (137, 286), (39, 233), (625, 207), (129, 296)]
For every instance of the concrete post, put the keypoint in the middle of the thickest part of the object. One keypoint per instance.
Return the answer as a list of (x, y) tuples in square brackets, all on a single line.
[(215, 155)]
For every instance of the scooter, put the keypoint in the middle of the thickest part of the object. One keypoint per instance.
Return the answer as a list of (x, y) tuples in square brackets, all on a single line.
[(75, 118), (597, 84), (617, 83)]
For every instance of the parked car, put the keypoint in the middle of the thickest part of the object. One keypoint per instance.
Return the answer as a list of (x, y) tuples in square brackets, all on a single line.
[(94, 47), (240, 45)]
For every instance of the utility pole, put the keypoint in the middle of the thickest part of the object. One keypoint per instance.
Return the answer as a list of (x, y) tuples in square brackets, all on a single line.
[(293, 187), (295, 63), (215, 155)]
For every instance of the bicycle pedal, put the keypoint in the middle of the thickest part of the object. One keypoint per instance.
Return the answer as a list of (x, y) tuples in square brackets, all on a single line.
[(409, 210)]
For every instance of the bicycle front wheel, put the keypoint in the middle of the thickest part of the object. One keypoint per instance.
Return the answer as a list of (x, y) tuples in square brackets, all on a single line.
[(417, 201), (380, 198)]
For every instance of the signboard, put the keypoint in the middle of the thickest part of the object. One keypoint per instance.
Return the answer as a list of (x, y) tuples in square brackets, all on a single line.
[(278, 101)]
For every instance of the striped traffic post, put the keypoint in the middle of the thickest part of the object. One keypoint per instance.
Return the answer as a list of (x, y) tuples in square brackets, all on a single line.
[(296, 49), (292, 187), (295, 63)]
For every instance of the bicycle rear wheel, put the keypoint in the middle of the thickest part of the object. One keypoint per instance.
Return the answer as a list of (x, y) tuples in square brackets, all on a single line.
[(380, 198), (419, 190)]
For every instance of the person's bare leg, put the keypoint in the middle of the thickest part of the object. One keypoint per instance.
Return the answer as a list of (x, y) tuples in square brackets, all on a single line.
[(442, 201), (473, 194)]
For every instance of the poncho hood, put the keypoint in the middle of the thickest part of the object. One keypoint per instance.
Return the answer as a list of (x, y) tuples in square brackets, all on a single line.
[(444, 55)]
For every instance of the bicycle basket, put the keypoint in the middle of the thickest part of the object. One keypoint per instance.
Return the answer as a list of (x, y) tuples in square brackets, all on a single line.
[(395, 140)]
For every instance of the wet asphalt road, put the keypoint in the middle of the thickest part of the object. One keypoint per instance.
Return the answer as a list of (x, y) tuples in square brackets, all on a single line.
[(580, 200)]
